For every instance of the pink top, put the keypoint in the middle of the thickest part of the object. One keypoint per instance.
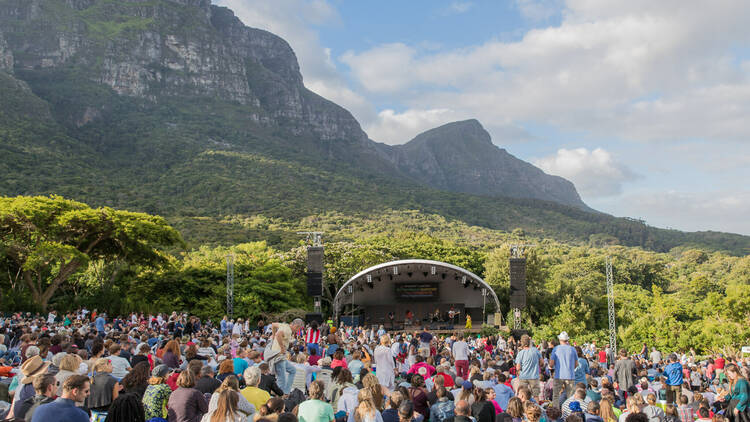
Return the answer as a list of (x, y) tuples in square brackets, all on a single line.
[(338, 362)]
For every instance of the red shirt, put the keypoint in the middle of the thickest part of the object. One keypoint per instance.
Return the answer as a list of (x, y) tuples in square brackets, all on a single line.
[(602, 356), (448, 379), (719, 363)]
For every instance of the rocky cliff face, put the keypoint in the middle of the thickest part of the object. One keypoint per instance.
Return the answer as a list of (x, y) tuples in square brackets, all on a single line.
[(6, 56), (190, 48), (461, 157), (155, 50)]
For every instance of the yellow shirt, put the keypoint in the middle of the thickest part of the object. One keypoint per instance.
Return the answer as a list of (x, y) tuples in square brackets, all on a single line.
[(256, 396)]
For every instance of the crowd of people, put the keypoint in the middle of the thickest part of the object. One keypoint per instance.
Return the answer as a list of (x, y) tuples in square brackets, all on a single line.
[(85, 366)]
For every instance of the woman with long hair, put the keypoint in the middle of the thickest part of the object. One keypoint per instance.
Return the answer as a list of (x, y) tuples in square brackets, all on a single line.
[(232, 384), (418, 395), (136, 381), (126, 408), (606, 412), (366, 410), (386, 365), (515, 409), (482, 410), (226, 409), (739, 395), (171, 356), (379, 392)]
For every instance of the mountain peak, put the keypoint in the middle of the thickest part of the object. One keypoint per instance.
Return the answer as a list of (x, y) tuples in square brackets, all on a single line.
[(460, 132), (461, 157)]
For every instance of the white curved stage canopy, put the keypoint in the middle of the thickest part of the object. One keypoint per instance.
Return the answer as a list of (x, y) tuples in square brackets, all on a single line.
[(418, 286)]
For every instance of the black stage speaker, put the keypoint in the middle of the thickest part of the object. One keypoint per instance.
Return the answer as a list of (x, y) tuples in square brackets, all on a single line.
[(309, 318), (315, 271), (517, 283)]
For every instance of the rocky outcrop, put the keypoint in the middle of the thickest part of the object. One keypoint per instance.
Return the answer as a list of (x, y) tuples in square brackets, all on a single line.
[(461, 157), (6, 56), (190, 48)]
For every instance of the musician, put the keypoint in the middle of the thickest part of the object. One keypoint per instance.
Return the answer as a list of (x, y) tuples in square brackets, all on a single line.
[(436, 315), (453, 315), (391, 316), (409, 317)]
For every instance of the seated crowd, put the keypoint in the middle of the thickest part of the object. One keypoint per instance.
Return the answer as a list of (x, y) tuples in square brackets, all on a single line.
[(84, 366)]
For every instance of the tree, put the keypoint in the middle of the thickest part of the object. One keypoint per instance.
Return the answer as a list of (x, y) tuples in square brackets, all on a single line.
[(48, 239)]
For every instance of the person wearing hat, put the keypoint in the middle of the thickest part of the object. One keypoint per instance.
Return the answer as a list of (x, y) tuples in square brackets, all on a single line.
[(156, 396), (32, 367), (563, 360)]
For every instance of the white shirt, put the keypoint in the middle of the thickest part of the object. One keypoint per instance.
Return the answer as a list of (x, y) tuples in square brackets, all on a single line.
[(460, 350), (120, 366)]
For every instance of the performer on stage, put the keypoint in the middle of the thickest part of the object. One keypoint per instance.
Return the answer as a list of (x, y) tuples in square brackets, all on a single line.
[(409, 317), (453, 315), (391, 316)]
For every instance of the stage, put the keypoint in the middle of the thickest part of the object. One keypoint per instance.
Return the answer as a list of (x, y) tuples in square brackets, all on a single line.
[(418, 293)]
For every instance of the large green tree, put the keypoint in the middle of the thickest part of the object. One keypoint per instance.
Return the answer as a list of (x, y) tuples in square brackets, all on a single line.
[(45, 240)]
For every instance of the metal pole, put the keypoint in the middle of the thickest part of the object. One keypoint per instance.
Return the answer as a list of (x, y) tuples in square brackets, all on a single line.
[(611, 308), (230, 285), (484, 305)]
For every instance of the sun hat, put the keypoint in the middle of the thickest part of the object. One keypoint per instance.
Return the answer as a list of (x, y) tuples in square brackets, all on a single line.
[(160, 371), (33, 366), (563, 336)]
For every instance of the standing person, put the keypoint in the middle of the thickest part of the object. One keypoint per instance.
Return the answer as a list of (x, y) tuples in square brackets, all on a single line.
[(468, 322), (312, 339), (386, 369), (424, 342), (186, 404), (624, 369), (275, 355), (528, 362), (563, 360), (739, 395), (64, 409), (655, 357), (460, 352), (315, 409), (673, 373)]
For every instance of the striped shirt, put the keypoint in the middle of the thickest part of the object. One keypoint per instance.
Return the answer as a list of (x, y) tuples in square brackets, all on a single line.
[(313, 336)]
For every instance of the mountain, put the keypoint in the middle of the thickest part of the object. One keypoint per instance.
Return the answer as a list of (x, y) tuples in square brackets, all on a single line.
[(460, 157), (175, 107)]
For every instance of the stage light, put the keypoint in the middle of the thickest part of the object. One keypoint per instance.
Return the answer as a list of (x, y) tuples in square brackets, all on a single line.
[(409, 274), (395, 270), (433, 270)]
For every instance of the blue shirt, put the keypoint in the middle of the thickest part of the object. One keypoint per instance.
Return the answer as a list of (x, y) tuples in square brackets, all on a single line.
[(240, 365), (529, 360), (503, 393), (60, 410), (100, 323), (565, 358), (581, 370), (673, 372)]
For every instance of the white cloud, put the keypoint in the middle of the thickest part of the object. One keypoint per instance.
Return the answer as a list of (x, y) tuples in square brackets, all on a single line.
[(721, 210), (458, 7), (538, 10), (642, 70), (595, 173)]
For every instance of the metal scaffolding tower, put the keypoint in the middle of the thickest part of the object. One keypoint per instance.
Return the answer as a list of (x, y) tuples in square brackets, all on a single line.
[(611, 308), (230, 285)]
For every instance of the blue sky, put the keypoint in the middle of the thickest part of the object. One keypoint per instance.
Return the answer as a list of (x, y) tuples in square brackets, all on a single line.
[(642, 104)]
